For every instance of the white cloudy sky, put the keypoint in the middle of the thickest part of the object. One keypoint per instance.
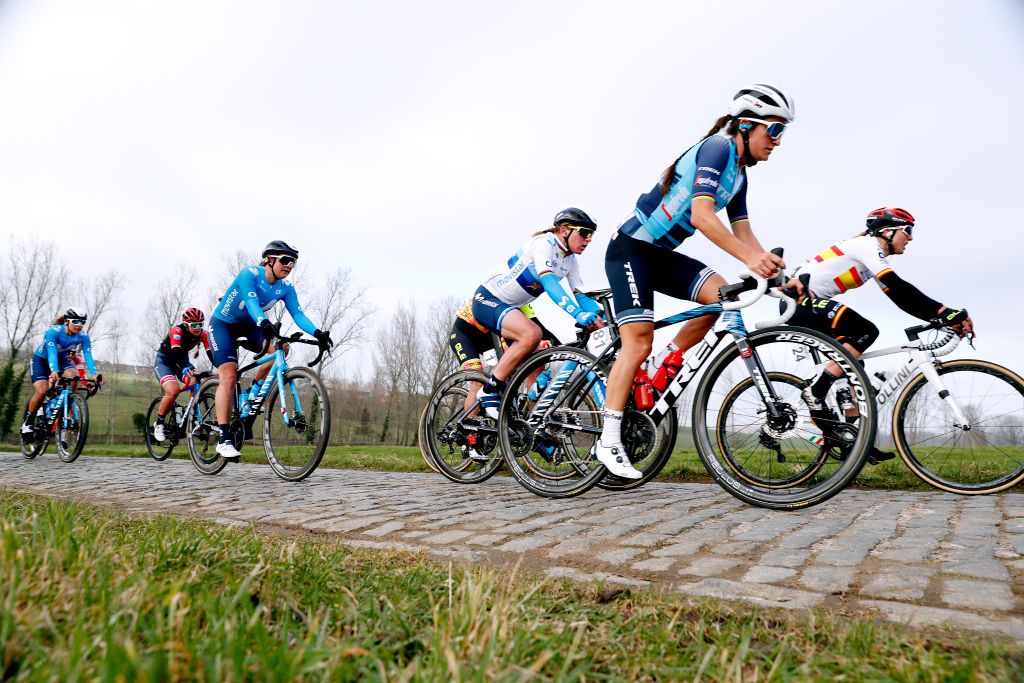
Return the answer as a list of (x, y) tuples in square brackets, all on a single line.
[(419, 143)]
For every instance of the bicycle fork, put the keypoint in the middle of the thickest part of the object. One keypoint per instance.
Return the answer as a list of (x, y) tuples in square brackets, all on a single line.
[(932, 375)]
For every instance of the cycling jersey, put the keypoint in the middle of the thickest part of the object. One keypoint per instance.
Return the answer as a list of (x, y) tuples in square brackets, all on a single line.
[(520, 283), (249, 295), (708, 169), (57, 343), (845, 266), (179, 342)]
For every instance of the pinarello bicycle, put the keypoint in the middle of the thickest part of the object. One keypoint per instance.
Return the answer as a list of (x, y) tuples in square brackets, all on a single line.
[(296, 413), (64, 416)]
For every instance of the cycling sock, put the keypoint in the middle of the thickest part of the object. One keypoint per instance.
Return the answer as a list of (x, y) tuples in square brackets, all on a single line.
[(159, 419), (225, 437), (822, 385), (612, 432), (494, 385), (28, 417)]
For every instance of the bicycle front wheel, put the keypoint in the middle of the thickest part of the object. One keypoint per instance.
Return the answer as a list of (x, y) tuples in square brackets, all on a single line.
[(201, 430), (297, 426), (985, 456), (548, 442), (460, 439), (159, 450), (768, 450), (73, 428)]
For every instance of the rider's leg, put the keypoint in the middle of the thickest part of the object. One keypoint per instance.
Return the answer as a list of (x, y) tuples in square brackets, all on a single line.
[(227, 373), (171, 389), (525, 336), (35, 400)]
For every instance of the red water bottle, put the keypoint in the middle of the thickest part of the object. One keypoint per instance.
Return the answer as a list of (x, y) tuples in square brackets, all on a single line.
[(643, 392), (669, 368)]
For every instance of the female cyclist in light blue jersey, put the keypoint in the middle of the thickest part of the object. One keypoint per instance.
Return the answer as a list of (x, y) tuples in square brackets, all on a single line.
[(709, 177), (538, 267), (240, 314), (52, 358)]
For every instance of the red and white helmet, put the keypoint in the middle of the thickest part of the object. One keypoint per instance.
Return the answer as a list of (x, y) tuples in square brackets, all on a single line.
[(193, 315), (760, 101), (888, 217)]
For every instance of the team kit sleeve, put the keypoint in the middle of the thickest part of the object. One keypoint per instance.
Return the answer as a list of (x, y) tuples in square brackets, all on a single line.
[(736, 209), (50, 342), (906, 296), (291, 302), (205, 339), (542, 251), (246, 282), (712, 158), (87, 353)]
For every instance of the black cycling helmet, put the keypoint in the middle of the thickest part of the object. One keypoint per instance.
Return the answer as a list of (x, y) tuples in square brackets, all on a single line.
[(76, 313), (888, 217), (573, 216), (280, 248)]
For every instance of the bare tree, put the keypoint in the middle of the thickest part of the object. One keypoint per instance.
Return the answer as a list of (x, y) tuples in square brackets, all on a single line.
[(340, 306), (399, 369), (437, 354), (101, 297), (36, 278), (173, 294)]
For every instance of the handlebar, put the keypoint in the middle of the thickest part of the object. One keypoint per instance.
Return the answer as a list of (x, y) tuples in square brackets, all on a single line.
[(294, 338), (91, 386)]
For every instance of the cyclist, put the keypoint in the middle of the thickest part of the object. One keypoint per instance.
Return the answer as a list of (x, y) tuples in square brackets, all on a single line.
[(537, 267), (708, 177), (52, 359), (172, 363), (240, 314), (845, 266)]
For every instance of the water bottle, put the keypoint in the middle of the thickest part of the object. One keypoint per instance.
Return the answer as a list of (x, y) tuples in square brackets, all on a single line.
[(643, 392), (179, 414), (254, 390), (669, 368), (538, 387)]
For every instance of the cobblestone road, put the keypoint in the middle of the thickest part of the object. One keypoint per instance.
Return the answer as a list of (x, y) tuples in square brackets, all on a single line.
[(922, 558)]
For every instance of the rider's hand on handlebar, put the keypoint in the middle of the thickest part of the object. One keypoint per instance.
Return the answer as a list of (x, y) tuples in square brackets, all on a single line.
[(589, 320), (54, 376), (765, 264), (795, 288), (324, 338)]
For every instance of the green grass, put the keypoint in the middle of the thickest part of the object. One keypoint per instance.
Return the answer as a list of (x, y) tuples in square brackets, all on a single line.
[(93, 593)]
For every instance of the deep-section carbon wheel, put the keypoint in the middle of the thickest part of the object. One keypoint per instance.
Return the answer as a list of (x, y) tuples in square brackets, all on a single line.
[(460, 439)]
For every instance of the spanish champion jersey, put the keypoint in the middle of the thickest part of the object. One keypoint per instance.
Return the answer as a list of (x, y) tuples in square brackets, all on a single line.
[(520, 284), (708, 169), (844, 266)]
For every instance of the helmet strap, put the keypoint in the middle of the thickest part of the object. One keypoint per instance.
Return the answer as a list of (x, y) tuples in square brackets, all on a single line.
[(745, 134)]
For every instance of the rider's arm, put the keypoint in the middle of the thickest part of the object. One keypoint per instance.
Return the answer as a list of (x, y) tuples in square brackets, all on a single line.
[(291, 302), (50, 343), (586, 303), (906, 296), (205, 338), (739, 221), (87, 353), (246, 282), (561, 297)]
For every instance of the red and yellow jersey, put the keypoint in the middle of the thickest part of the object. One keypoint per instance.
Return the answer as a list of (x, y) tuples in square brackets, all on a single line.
[(845, 265)]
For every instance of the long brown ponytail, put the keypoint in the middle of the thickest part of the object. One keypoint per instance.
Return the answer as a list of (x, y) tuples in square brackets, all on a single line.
[(731, 125)]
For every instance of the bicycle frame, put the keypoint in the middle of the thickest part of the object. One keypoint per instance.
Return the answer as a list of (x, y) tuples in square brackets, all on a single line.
[(58, 406), (277, 370)]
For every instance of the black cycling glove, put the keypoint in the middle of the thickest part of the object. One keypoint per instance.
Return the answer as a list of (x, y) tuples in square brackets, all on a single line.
[(951, 317), (324, 338), (269, 330)]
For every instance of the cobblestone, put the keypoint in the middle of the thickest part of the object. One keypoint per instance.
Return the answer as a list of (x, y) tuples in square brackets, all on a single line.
[(922, 558)]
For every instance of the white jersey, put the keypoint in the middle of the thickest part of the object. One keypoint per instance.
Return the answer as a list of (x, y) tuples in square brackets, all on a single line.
[(519, 283), (844, 266)]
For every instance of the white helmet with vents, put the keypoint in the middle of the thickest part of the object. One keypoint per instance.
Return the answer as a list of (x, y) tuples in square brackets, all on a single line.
[(761, 101)]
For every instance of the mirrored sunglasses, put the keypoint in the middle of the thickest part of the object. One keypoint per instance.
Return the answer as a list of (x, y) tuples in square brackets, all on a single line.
[(195, 326), (775, 128), (76, 321), (585, 233), (286, 260)]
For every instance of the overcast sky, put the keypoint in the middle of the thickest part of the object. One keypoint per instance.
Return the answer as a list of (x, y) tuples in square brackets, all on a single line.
[(420, 143)]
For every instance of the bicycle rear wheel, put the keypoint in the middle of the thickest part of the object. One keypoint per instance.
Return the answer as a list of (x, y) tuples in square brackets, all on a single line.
[(40, 437), (986, 458), (73, 428), (423, 438), (549, 449), (160, 450), (649, 447), (461, 440), (769, 452), (297, 426), (201, 430)]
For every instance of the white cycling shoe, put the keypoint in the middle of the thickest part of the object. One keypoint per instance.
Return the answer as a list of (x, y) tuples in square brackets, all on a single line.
[(614, 458), (228, 452), (158, 431), (490, 403)]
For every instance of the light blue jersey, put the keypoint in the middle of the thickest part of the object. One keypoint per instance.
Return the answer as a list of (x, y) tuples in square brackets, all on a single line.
[(249, 295), (57, 343)]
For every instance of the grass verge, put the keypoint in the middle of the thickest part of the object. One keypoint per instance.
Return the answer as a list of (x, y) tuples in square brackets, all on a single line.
[(94, 593)]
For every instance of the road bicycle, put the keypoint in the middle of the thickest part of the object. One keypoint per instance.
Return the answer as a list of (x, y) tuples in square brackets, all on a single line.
[(463, 443), (957, 424), (63, 416), (296, 415), (175, 427), (748, 417)]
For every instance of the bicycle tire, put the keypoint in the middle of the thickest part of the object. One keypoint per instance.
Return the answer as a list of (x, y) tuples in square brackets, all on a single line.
[(159, 451), (952, 478), (424, 438), (517, 437), (447, 435), (853, 459), (35, 447), (77, 405), (202, 434), (315, 433), (795, 478)]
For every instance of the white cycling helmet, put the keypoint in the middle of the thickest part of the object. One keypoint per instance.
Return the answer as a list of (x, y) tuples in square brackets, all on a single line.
[(761, 101)]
